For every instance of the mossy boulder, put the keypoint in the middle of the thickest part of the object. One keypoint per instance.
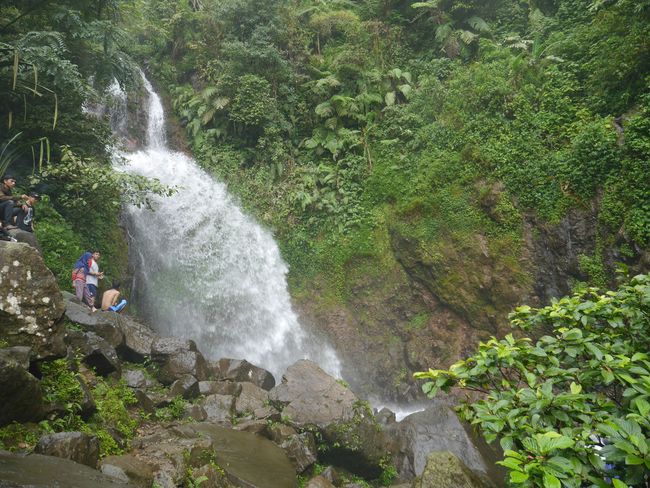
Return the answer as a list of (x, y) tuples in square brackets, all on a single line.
[(31, 304), (445, 469)]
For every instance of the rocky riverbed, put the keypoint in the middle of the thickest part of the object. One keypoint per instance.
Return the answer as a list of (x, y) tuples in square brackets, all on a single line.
[(191, 420)]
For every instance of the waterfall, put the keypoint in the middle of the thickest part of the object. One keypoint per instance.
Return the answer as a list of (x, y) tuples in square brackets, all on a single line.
[(206, 271)]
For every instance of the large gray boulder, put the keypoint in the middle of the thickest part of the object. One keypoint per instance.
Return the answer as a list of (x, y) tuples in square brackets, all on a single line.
[(434, 429), (248, 460), (250, 399), (104, 324), (242, 371), (38, 471), (219, 408), (310, 398), (76, 446), (26, 237), (95, 352), (31, 304), (21, 398), (138, 339), (445, 469), (178, 358)]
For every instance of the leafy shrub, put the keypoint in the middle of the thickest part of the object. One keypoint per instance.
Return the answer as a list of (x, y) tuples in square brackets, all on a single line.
[(570, 408)]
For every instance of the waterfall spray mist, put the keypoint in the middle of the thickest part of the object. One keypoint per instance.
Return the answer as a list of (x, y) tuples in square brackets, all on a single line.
[(208, 272)]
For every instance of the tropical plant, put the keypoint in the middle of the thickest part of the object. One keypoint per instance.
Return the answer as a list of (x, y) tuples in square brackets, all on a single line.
[(571, 408), (457, 24)]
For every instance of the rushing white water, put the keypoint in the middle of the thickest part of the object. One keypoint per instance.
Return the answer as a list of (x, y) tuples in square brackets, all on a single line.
[(208, 272)]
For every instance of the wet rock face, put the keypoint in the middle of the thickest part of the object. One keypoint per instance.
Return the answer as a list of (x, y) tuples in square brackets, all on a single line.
[(555, 251), (242, 371), (95, 352), (21, 398), (445, 469), (30, 302), (435, 429), (76, 446), (309, 397), (38, 471)]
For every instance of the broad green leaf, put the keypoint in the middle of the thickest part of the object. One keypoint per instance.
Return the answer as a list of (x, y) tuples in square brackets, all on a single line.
[(518, 477), (550, 481)]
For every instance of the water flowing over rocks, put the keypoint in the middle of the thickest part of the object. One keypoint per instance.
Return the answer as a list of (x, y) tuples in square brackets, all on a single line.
[(208, 271), (235, 426)]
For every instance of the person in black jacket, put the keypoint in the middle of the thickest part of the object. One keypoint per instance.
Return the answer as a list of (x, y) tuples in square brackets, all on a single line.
[(8, 202), (26, 213)]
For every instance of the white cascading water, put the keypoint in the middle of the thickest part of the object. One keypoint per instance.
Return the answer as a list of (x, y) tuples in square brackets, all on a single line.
[(206, 271)]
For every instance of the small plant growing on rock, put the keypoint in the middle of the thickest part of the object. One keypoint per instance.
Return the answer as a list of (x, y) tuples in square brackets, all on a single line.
[(173, 411)]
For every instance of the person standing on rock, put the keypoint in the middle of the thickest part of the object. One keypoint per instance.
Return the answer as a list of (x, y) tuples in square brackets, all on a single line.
[(92, 280), (8, 202), (80, 272)]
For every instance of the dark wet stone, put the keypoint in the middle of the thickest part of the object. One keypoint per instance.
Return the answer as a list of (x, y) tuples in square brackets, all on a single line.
[(186, 386), (269, 467), (21, 398), (18, 354), (38, 471), (76, 446), (241, 370), (219, 387), (96, 352), (434, 429)]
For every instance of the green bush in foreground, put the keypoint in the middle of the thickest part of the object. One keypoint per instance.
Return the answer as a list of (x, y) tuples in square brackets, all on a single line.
[(571, 408)]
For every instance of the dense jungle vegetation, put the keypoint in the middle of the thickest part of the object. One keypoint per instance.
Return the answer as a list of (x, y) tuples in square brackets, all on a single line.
[(348, 126), (340, 122)]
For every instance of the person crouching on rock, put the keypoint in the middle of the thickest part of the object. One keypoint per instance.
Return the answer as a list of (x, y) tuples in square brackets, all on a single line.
[(8, 202), (26, 213), (110, 299)]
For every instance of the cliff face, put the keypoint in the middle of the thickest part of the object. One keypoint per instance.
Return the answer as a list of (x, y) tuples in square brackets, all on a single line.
[(428, 305)]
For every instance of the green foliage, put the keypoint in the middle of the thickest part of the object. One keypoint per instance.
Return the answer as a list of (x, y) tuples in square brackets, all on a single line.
[(388, 472), (16, 436), (571, 408), (112, 402), (173, 411), (61, 386), (62, 246)]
